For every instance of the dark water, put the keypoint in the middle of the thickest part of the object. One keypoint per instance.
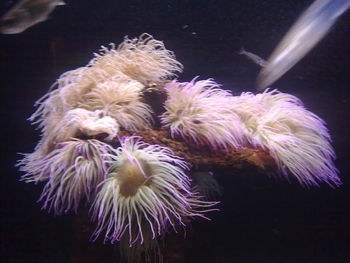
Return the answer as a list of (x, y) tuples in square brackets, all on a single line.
[(261, 219)]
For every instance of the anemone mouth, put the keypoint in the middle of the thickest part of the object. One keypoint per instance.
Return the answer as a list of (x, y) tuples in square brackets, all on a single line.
[(132, 175)]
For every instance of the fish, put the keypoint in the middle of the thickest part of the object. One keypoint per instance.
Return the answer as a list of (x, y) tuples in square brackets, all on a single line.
[(305, 33), (255, 58), (27, 13)]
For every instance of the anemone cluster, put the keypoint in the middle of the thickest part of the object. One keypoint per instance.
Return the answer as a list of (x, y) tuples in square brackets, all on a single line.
[(138, 192), (297, 139)]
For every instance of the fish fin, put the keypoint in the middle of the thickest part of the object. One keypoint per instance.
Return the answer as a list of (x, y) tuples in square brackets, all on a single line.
[(241, 51)]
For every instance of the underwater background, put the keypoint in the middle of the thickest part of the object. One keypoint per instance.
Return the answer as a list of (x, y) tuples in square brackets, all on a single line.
[(261, 219)]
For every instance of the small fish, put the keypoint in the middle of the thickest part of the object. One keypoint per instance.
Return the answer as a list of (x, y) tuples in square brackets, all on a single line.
[(27, 13), (258, 60), (307, 31)]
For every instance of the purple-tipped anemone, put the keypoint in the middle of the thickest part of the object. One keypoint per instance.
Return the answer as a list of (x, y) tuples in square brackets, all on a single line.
[(296, 138), (72, 171), (144, 59), (110, 85), (120, 98), (146, 191), (199, 111)]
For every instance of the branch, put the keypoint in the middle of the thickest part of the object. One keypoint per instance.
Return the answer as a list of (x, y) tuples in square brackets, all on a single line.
[(205, 158)]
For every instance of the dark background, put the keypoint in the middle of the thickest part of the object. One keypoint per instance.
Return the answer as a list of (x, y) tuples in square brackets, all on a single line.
[(261, 219)]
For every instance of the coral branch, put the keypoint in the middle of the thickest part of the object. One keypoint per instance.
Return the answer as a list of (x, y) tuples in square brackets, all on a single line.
[(206, 158)]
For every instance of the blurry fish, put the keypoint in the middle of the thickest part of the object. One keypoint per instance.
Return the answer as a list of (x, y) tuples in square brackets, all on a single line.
[(307, 31), (258, 60), (26, 14)]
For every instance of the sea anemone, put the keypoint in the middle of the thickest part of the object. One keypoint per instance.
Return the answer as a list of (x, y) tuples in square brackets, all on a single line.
[(80, 122), (72, 171), (120, 98), (146, 190), (143, 59), (64, 95), (249, 109), (110, 105), (199, 111), (296, 138), (111, 82)]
